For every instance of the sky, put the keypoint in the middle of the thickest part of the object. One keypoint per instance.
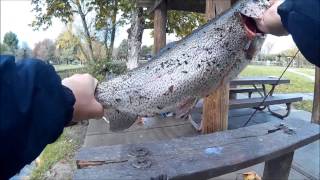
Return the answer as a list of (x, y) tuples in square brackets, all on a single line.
[(16, 16)]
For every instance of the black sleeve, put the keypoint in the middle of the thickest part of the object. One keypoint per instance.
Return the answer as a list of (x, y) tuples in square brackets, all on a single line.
[(301, 18), (34, 108)]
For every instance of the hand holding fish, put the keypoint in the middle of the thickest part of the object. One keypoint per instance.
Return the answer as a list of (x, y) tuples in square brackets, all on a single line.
[(83, 87), (270, 21)]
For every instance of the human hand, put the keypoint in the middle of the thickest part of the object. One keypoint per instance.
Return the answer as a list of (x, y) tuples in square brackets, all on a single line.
[(83, 87), (270, 22)]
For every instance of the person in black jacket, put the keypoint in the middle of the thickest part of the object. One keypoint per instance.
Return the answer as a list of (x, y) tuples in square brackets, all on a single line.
[(300, 18), (35, 106)]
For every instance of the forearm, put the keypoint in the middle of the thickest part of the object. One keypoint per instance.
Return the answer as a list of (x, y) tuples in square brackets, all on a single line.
[(34, 108)]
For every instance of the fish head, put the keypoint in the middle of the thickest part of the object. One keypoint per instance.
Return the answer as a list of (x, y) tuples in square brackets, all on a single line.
[(253, 8), (250, 11)]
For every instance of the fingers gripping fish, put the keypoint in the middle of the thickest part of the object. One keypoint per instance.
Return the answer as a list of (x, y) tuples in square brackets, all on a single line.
[(190, 69)]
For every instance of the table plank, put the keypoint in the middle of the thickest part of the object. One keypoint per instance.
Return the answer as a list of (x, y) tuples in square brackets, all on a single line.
[(258, 80), (255, 102), (200, 157)]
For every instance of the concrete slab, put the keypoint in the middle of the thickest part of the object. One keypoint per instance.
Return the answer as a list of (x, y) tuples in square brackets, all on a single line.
[(306, 160), (294, 175)]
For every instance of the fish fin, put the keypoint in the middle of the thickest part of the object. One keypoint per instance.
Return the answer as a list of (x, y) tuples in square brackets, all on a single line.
[(185, 107), (119, 120)]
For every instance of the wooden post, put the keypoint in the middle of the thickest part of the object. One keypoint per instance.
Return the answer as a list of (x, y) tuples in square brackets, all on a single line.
[(316, 99), (216, 105), (160, 23), (278, 168)]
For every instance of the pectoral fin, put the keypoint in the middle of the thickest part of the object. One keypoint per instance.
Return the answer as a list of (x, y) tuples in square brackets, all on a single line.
[(119, 120), (185, 107)]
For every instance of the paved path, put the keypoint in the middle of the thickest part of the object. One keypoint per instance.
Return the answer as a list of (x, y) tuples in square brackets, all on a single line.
[(311, 78)]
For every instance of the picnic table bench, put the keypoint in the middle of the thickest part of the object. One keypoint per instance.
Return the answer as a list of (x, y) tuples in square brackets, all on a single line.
[(259, 102), (203, 156)]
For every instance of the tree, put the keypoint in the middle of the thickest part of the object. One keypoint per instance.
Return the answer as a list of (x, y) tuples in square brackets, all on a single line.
[(69, 47), (3, 48), (64, 10), (24, 52), (300, 60), (11, 40), (45, 50), (107, 18), (183, 23), (135, 33), (122, 53), (146, 51), (100, 51)]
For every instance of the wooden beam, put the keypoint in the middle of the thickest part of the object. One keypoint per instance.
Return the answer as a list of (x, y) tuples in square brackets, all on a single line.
[(181, 5), (160, 22), (210, 9), (198, 6), (216, 105), (316, 99), (145, 3), (222, 5)]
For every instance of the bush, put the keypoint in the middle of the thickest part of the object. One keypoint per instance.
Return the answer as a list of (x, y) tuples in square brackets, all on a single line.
[(101, 67)]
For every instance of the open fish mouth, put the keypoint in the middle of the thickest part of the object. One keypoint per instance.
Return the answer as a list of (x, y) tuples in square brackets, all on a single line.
[(250, 26)]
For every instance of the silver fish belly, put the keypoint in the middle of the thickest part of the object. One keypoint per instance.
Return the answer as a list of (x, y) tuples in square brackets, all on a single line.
[(191, 69)]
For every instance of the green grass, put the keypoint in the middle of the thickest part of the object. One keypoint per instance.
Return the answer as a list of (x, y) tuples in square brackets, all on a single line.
[(62, 67), (308, 71), (63, 148), (304, 105), (297, 84)]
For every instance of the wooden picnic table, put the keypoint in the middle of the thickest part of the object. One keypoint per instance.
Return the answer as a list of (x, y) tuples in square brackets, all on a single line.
[(267, 101), (260, 103)]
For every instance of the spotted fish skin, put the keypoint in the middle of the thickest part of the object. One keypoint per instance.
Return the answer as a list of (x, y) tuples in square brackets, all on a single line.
[(191, 69)]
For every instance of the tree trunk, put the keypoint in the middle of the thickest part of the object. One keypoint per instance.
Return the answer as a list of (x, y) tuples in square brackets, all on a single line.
[(86, 31), (135, 38), (113, 30)]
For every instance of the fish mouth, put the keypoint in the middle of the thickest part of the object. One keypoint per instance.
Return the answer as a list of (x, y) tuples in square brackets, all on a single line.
[(250, 26)]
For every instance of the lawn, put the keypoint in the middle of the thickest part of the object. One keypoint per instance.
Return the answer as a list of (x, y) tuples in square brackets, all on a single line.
[(63, 148), (308, 71), (304, 105), (298, 83)]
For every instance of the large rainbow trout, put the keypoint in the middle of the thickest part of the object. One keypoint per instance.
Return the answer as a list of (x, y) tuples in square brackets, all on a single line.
[(191, 69)]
